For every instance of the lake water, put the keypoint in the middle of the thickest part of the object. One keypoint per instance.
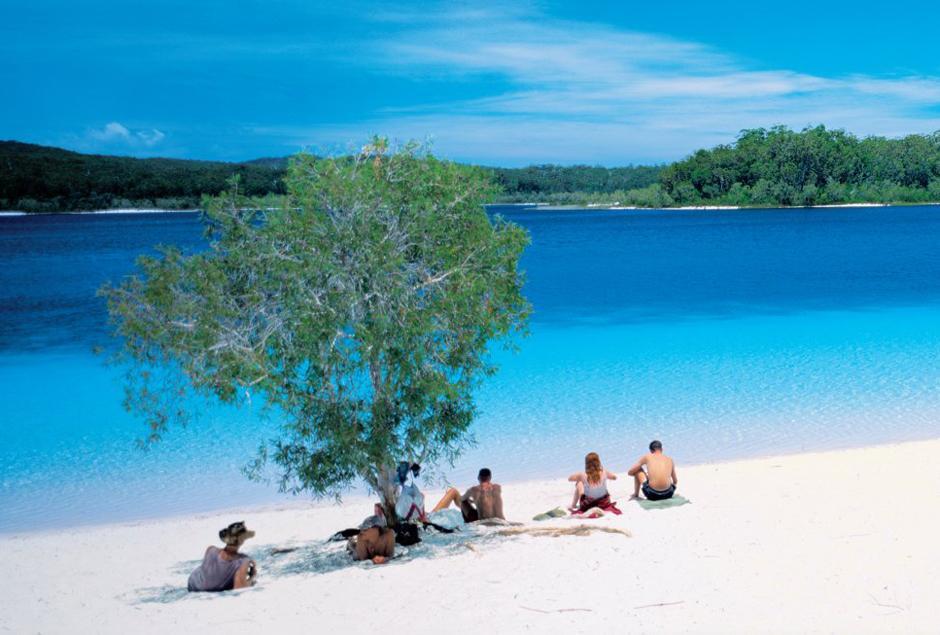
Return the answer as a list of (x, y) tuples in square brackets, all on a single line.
[(724, 333)]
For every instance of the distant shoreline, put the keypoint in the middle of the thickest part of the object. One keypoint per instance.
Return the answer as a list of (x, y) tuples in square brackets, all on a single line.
[(100, 211), (538, 206), (592, 207)]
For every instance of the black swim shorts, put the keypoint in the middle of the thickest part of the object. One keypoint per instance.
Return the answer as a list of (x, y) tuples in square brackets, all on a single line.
[(657, 494)]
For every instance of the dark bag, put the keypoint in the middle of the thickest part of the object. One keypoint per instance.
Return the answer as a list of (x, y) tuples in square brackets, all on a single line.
[(406, 534)]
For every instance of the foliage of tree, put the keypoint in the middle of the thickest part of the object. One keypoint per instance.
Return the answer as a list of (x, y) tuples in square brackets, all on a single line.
[(361, 306)]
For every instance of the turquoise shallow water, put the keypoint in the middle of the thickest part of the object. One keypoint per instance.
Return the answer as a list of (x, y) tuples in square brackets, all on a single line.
[(727, 335)]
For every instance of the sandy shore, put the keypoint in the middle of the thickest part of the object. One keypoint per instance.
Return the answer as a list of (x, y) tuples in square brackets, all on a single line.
[(830, 542)]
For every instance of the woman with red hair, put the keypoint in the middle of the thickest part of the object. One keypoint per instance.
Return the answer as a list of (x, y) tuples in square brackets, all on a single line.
[(591, 497)]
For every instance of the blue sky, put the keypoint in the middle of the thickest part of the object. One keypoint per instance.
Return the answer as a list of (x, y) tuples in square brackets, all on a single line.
[(500, 83)]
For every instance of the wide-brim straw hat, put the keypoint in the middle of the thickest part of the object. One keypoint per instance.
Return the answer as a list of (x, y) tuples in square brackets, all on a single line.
[(236, 534)]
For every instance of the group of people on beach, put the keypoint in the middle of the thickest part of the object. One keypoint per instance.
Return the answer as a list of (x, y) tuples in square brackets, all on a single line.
[(654, 474)]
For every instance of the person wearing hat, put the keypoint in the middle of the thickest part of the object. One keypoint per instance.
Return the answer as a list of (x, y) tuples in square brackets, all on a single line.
[(225, 569)]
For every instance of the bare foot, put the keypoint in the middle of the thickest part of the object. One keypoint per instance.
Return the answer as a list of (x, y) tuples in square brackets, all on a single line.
[(379, 560)]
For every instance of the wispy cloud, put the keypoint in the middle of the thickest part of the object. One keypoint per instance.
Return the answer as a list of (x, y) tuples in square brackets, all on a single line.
[(583, 92), (117, 134)]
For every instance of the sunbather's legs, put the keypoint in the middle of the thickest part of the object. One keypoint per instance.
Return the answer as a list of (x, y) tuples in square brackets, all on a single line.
[(638, 481), (578, 493), (451, 496)]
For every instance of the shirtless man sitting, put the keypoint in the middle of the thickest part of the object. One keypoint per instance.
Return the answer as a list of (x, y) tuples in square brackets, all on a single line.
[(655, 473), (479, 502)]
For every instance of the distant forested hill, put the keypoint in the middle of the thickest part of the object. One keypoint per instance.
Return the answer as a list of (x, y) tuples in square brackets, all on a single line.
[(40, 178), (763, 167)]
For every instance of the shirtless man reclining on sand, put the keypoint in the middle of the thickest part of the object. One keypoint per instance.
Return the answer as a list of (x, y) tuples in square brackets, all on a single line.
[(479, 502), (375, 543), (655, 474)]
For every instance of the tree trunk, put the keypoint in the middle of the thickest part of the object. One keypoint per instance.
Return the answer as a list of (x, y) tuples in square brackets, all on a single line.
[(387, 482)]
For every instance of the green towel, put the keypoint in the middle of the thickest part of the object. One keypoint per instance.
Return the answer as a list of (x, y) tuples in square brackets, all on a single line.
[(558, 512), (675, 501)]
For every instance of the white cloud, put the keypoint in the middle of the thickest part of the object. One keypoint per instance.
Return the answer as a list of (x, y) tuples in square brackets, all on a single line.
[(150, 137), (111, 132), (583, 92), (115, 133)]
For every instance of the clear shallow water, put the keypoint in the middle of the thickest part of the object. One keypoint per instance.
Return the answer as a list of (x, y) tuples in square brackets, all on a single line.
[(726, 334)]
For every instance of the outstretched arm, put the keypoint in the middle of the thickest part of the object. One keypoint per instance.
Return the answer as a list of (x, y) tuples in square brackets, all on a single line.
[(577, 476), (611, 476), (633, 471)]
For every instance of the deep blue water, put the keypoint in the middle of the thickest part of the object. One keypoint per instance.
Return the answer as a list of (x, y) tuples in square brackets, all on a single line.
[(727, 334)]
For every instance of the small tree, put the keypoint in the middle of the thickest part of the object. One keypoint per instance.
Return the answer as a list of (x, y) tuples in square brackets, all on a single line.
[(360, 306)]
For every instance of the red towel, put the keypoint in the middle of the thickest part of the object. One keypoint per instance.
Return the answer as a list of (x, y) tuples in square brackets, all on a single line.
[(604, 503)]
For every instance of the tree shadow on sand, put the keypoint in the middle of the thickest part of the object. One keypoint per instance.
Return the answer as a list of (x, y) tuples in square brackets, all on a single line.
[(318, 558), (312, 559)]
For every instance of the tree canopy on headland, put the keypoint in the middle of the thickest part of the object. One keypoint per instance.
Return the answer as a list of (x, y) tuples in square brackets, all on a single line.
[(763, 167), (778, 166)]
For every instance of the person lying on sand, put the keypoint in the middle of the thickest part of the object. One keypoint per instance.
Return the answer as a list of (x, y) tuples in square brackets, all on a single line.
[(591, 497), (404, 534), (480, 502), (655, 474), (375, 543), (225, 569)]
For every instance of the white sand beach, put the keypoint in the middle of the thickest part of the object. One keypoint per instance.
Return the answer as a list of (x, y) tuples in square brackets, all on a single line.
[(840, 541)]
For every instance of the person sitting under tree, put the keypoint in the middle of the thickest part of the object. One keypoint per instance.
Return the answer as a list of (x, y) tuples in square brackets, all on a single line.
[(480, 502)]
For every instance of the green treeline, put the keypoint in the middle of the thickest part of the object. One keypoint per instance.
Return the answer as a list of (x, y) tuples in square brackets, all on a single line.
[(554, 183), (42, 179), (781, 167), (813, 167), (762, 168)]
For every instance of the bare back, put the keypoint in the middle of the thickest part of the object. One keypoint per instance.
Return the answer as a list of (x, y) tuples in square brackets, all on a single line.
[(375, 541), (659, 469), (488, 500)]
